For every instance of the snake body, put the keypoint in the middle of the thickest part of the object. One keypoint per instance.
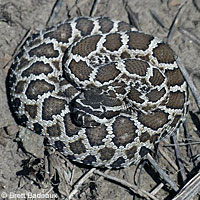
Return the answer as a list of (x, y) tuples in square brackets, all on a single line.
[(102, 92)]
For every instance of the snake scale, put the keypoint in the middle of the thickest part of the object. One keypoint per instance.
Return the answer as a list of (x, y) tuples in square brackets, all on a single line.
[(101, 91)]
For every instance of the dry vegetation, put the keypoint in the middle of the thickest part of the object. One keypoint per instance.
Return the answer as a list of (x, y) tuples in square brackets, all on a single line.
[(27, 167)]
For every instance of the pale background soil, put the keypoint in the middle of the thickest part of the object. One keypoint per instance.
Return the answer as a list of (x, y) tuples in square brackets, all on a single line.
[(18, 17)]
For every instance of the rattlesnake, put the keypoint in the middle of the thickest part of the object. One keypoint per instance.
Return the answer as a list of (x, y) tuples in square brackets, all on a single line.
[(102, 92)]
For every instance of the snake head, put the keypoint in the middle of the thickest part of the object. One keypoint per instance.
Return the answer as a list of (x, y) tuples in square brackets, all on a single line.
[(93, 107)]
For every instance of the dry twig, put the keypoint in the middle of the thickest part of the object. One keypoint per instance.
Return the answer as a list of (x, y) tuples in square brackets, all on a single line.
[(162, 173), (131, 186), (158, 20), (54, 12), (94, 7), (190, 82), (133, 19), (28, 33), (190, 35), (178, 158), (80, 182), (170, 161), (190, 190), (175, 23)]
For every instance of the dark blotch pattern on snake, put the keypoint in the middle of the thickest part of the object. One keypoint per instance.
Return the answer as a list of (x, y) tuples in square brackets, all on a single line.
[(98, 89)]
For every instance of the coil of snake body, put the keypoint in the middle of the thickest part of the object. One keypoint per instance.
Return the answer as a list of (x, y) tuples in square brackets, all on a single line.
[(102, 92)]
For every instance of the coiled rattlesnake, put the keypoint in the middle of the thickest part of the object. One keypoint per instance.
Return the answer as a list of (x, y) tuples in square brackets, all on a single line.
[(101, 91)]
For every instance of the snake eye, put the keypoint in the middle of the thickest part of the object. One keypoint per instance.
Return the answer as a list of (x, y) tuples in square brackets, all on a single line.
[(83, 120), (77, 118)]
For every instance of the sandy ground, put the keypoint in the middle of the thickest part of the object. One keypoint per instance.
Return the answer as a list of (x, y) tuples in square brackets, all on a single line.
[(22, 160)]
